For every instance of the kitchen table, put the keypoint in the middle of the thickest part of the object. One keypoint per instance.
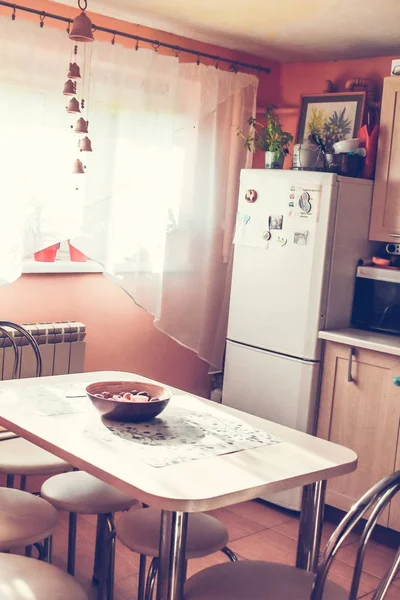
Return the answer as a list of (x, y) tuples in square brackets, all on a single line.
[(210, 482)]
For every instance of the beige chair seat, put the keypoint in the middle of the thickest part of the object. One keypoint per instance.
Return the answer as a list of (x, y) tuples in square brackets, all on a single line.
[(256, 580), (24, 519), (139, 530), (20, 457), (79, 492), (29, 579)]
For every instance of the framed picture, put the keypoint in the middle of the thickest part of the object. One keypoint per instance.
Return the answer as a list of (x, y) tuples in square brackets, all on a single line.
[(331, 117)]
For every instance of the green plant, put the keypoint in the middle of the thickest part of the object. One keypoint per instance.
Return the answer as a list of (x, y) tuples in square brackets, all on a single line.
[(268, 137)]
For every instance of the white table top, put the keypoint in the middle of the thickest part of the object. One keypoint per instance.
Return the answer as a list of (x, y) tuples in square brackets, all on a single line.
[(189, 486)]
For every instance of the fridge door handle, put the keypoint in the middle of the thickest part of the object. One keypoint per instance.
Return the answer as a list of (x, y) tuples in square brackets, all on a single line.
[(352, 352)]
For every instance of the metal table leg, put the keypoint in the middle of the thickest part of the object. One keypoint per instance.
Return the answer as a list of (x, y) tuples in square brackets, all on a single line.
[(311, 520), (171, 575)]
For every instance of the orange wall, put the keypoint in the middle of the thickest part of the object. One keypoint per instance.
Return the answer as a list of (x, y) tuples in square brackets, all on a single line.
[(120, 335)]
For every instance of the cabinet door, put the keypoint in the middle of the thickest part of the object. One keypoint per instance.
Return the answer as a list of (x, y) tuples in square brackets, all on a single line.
[(394, 513), (385, 217), (362, 414)]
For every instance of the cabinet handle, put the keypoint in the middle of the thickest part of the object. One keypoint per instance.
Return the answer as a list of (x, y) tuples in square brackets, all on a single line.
[(395, 235), (396, 381), (352, 352)]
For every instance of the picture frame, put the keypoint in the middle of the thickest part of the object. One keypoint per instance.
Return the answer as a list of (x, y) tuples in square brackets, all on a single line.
[(335, 116)]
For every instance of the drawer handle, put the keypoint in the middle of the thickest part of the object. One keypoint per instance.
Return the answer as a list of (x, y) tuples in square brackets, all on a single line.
[(352, 352), (395, 235), (396, 381)]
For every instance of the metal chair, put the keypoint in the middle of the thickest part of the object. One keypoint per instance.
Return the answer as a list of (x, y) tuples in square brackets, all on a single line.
[(260, 580), (139, 530), (18, 456)]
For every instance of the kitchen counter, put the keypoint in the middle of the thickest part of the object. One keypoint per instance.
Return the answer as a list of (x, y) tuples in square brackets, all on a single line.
[(370, 340)]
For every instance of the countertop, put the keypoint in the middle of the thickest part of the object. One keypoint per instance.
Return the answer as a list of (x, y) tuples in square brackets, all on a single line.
[(370, 340)]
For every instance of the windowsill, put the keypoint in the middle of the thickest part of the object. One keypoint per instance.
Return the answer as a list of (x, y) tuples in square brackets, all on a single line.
[(61, 266)]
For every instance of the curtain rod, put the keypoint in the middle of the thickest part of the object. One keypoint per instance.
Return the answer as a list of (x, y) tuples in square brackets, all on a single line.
[(233, 64)]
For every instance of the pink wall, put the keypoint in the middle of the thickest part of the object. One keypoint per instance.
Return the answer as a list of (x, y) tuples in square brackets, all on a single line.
[(120, 336)]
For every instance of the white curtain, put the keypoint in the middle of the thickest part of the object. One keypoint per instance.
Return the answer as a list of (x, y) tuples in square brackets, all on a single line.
[(157, 204)]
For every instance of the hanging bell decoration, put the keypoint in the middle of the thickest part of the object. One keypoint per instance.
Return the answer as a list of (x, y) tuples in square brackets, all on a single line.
[(85, 145), (81, 30), (69, 88), (74, 71), (77, 167), (81, 126), (73, 106)]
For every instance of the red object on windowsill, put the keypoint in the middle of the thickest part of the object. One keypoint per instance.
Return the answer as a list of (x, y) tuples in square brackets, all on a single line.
[(47, 254), (75, 254)]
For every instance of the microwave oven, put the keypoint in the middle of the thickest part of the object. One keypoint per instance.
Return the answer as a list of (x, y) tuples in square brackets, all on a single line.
[(376, 305)]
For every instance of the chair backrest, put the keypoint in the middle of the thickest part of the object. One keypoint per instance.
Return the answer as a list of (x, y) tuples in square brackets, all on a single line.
[(31, 341), (376, 500)]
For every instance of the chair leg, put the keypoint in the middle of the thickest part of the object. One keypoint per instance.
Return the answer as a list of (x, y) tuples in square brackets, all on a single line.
[(71, 543), (142, 577), (151, 579), (28, 551), (101, 533), (48, 548), (110, 566), (229, 553), (10, 481), (22, 484)]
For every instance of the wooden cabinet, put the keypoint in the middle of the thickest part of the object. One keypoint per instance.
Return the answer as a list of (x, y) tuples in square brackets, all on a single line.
[(385, 217), (360, 409)]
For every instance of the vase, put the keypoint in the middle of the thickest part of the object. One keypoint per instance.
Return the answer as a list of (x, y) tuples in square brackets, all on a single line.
[(47, 254), (274, 160), (76, 255)]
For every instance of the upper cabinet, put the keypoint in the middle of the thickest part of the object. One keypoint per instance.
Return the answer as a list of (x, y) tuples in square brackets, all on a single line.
[(385, 218)]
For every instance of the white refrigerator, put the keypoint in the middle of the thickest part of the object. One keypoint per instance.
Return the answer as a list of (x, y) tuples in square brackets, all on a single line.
[(299, 236)]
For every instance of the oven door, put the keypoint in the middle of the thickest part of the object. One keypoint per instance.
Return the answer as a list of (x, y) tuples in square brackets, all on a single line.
[(376, 304)]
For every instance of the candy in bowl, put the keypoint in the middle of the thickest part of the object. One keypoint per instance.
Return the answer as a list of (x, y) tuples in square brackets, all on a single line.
[(129, 401)]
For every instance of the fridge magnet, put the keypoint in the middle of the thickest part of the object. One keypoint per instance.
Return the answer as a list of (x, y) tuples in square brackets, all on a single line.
[(300, 238), (306, 202), (246, 219), (276, 222), (282, 241), (250, 231), (267, 236), (251, 196)]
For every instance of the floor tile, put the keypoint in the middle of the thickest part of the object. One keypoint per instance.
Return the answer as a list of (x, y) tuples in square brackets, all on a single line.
[(266, 514), (378, 558), (342, 574), (291, 529), (267, 545), (392, 594), (238, 526)]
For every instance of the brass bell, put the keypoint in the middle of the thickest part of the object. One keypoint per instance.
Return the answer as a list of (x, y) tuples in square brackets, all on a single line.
[(69, 88), (81, 126), (81, 29), (85, 145), (77, 167), (74, 71), (73, 106)]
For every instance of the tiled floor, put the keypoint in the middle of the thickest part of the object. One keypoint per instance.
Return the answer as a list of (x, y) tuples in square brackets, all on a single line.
[(257, 531)]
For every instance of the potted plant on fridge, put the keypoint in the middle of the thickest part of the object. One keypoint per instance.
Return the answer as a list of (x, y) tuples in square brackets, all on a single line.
[(268, 137)]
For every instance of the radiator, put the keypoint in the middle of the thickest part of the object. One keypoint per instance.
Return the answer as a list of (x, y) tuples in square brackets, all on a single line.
[(62, 346)]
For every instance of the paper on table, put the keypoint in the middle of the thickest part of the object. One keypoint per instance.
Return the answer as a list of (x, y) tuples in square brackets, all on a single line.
[(251, 231), (47, 400), (181, 435)]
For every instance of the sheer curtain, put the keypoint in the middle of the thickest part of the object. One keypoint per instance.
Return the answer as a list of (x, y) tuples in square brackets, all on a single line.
[(157, 205)]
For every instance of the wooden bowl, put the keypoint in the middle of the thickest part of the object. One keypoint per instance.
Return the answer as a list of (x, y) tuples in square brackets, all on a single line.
[(130, 412)]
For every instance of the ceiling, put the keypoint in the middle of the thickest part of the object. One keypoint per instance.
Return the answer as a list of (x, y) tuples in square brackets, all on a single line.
[(286, 30)]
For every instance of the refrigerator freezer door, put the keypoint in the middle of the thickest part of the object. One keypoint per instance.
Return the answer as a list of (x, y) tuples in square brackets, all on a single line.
[(271, 386), (274, 387), (278, 293)]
